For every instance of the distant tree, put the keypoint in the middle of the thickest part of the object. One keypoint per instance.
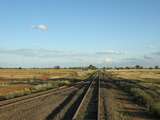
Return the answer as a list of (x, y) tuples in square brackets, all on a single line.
[(138, 67), (92, 67), (108, 68), (121, 67), (117, 68), (156, 67), (20, 68), (56, 67), (127, 67), (141, 67), (104, 68)]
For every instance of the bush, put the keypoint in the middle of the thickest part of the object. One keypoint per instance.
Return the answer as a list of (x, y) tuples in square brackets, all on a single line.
[(139, 95), (42, 87), (35, 88), (64, 83), (155, 108), (26, 91), (142, 97)]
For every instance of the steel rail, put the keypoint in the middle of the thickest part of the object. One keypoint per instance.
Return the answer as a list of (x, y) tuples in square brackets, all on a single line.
[(36, 95), (84, 98), (98, 114)]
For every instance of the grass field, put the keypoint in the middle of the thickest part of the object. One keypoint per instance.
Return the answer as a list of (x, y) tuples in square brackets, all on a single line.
[(39, 73), (18, 82), (142, 85), (141, 75)]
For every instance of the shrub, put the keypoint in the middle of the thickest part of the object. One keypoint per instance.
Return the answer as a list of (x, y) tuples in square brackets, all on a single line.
[(14, 94), (35, 88), (42, 87), (155, 108), (141, 96), (63, 83)]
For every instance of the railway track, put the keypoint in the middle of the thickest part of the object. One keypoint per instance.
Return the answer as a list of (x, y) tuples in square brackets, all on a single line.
[(31, 97), (89, 107), (36, 106), (82, 103)]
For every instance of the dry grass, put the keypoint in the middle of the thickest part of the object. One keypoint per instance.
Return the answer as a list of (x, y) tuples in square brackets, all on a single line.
[(142, 75), (13, 81), (13, 88), (143, 85), (40, 73)]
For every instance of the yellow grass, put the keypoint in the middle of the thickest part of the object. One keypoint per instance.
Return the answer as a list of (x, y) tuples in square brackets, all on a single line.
[(142, 75), (19, 80), (13, 88), (40, 73), (146, 87)]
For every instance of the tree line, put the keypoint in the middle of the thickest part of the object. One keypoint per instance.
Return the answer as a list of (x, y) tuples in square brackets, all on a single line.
[(91, 67)]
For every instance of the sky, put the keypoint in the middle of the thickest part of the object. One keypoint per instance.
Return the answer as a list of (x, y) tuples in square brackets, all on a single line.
[(45, 33)]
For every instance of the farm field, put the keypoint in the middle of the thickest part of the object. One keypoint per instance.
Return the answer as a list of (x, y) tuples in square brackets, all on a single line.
[(43, 74), (144, 75), (19, 82)]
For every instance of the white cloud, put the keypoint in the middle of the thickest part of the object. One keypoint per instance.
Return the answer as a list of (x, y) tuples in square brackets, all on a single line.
[(41, 27), (108, 60), (110, 52), (33, 52), (42, 57)]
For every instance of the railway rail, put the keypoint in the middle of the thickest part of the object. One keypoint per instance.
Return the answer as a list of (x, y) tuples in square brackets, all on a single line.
[(82, 104), (36, 95), (89, 108)]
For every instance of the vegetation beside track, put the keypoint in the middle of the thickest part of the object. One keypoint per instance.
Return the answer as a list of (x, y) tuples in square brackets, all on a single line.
[(20, 82), (143, 86)]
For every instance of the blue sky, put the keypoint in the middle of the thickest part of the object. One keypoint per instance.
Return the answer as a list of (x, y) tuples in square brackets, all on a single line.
[(44, 33)]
